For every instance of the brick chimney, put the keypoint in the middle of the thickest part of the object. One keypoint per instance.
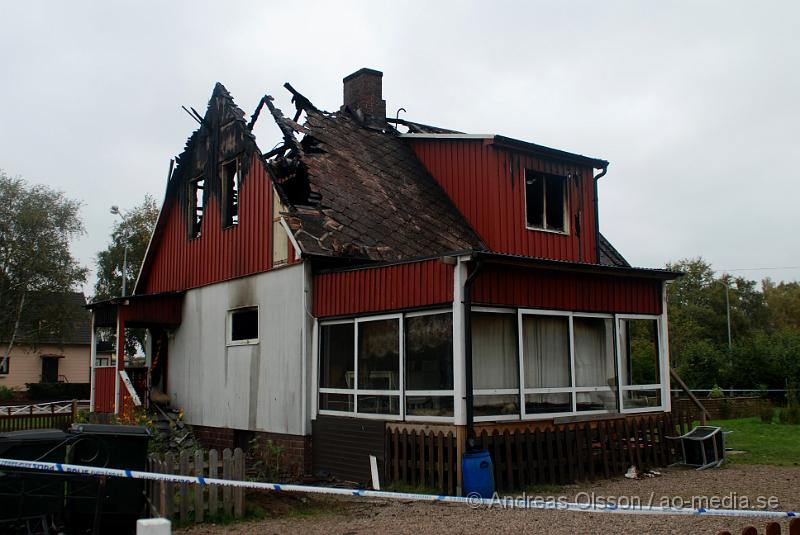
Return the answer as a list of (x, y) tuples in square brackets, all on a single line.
[(363, 91)]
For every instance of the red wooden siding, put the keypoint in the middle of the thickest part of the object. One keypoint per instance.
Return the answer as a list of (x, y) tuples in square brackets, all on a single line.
[(165, 309), (487, 184), (104, 389), (179, 263), (561, 290), (399, 286)]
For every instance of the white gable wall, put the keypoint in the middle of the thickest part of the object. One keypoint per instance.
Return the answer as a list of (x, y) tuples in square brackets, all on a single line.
[(257, 387)]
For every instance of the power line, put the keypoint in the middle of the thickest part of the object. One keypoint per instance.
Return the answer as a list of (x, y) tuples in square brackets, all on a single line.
[(758, 268)]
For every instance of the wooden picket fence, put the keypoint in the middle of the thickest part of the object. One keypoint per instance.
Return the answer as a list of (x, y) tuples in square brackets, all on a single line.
[(557, 454), (52, 415), (182, 500), (773, 528)]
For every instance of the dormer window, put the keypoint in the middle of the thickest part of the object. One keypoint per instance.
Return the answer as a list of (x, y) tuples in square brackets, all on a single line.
[(230, 174), (546, 204), (196, 187)]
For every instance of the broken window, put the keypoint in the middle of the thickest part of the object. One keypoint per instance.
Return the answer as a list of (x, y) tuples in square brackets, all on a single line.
[(230, 175), (429, 364), (4, 365), (337, 367), (105, 348), (378, 362), (243, 326), (196, 188), (546, 201), (280, 240), (639, 363)]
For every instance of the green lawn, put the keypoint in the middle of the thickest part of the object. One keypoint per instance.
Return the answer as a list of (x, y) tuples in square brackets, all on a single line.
[(776, 444)]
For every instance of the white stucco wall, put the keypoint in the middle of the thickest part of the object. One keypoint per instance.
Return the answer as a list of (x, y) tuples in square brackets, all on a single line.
[(257, 387)]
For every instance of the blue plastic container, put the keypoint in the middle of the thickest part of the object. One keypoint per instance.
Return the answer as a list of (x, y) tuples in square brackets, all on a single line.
[(477, 474)]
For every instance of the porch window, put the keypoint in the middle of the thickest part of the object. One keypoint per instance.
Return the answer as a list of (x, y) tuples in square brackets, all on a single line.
[(546, 362), (337, 367), (639, 361), (546, 205), (595, 369), (495, 366), (243, 326), (429, 364), (378, 366)]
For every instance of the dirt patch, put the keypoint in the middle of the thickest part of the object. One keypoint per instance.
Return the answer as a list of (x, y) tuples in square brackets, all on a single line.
[(339, 515)]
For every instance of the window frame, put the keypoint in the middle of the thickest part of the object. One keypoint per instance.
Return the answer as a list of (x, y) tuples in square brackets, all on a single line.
[(228, 221), (5, 367), (566, 209), (229, 341), (196, 229), (661, 385), (499, 391)]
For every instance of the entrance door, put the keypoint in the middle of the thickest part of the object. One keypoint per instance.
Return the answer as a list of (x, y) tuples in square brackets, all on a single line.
[(50, 369)]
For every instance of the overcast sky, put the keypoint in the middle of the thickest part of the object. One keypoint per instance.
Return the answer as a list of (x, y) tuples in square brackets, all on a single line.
[(695, 104)]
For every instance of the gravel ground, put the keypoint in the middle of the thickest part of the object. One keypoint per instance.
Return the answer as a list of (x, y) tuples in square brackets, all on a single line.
[(347, 516)]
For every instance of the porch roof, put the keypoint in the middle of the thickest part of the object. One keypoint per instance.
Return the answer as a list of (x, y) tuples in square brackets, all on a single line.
[(146, 309)]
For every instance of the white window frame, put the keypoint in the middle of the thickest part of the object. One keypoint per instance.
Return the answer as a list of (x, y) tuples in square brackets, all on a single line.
[(662, 386), (230, 342), (439, 393), (544, 228), (499, 391)]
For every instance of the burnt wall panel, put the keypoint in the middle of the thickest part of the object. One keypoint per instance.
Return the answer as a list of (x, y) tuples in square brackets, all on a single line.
[(177, 262), (561, 290), (487, 185), (341, 447), (383, 288)]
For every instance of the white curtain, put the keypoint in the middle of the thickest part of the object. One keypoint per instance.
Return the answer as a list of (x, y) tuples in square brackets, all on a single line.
[(494, 351), (545, 342), (594, 352)]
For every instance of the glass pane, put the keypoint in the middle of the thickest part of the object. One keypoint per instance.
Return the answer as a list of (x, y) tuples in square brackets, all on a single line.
[(544, 403), (494, 351), (636, 399), (429, 352), (594, 352), (554, 190), (534, 199), (545, 342), (597, 401), (336, 402), (428, 405), (370, 404), (337, 359), (639, 347), (499, 405), (379, 355)]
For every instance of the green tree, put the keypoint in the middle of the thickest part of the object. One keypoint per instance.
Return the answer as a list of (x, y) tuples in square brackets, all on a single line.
[(132, 230), (37, 225)]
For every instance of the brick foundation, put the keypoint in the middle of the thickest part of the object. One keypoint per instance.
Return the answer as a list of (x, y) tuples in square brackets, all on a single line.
[(295, 450), (722, 408)]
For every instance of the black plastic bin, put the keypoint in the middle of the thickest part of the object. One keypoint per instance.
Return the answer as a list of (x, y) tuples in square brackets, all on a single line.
[(117, 502), (26, 494)]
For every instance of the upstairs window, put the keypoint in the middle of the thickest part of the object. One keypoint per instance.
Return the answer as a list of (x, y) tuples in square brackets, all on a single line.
[(196, 187), (546, 202), (230, 175)]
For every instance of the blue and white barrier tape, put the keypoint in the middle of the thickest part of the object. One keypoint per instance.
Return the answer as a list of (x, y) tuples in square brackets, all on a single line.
[(471, 500)]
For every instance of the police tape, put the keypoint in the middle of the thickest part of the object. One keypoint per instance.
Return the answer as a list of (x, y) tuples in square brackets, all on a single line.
[(473, 500)]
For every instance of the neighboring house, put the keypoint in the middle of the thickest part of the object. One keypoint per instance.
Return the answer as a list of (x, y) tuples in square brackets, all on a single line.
[(49, 351), (346, 279)]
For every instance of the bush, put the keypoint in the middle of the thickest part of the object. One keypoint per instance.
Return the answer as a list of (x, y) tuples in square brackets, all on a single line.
[(790, 415), (766, 413), (57, 391), (716, 392), (6, 393)]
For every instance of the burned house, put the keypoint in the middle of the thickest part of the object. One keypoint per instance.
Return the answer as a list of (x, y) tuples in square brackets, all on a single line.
[(371, 276)]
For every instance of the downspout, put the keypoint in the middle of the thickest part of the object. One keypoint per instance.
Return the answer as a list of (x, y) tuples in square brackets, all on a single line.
[(468, 352), (597, 215)]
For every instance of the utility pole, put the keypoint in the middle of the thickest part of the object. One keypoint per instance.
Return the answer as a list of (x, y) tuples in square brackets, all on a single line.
[(115, 210)]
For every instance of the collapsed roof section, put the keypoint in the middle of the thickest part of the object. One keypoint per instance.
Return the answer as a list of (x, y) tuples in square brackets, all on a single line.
[(354, 189)]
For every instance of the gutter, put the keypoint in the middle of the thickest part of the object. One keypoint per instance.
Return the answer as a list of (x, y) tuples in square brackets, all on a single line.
[(597, 215), (468, 353)]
